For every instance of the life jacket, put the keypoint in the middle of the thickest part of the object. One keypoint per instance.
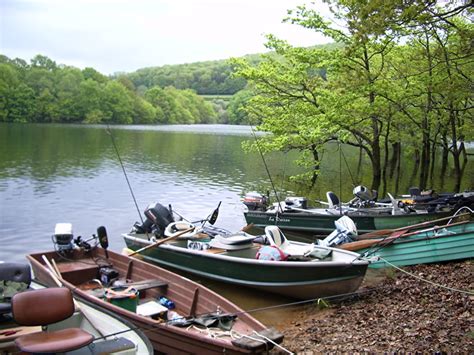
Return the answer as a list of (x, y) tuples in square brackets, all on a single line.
[(271, 252)]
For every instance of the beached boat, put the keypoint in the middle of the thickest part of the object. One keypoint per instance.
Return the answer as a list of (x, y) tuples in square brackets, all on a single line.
[(369, 215), (436, 241), (110, 333), (298, 270), (184, 326)]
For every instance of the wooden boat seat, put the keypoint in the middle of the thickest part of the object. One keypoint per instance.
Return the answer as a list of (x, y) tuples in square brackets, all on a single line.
[(44, 307), (78, 273), (147, 284)]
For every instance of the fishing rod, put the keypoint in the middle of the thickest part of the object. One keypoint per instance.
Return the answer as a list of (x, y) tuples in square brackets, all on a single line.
[(109, 132), (267, 170)]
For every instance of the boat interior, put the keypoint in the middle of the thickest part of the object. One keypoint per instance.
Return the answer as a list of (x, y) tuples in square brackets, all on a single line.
[(55, 324), (247, 248), (154, 295)]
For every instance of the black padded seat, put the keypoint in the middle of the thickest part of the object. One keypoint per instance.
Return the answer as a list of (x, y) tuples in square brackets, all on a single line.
[(16, 272)]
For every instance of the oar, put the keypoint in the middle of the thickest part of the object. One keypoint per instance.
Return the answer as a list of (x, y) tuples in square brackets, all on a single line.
[(367, 243), (406, 228), (161, 241)]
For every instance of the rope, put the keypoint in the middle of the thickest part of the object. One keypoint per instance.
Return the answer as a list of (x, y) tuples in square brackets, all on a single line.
[(427, 281), (459, 210)]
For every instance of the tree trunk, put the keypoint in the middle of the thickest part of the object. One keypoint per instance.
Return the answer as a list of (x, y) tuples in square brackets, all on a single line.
[(394, 161), (415, 167), (316, 165)]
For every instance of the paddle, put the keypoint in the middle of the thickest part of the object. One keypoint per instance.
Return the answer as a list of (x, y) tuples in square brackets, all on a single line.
[(215, 214), (422, 224), (161, 241), (367, 243)]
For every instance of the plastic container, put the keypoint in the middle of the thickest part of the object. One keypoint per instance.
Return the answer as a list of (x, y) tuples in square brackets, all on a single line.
[(123, 297), (166, 302)]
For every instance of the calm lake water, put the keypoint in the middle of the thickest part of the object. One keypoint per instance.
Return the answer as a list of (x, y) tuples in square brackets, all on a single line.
[(71, 173)]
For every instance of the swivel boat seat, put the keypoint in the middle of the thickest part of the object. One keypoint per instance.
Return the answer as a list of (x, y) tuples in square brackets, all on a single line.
[(43, 307), (333, 200), (276, 237)]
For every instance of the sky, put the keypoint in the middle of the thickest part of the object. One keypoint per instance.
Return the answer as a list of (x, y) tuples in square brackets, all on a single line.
[(125, 35)]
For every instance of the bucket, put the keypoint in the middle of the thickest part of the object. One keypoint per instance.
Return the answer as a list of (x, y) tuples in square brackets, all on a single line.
[(123, 297)]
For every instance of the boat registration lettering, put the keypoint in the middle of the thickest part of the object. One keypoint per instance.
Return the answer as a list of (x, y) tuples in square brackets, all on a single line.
[(278, 219)]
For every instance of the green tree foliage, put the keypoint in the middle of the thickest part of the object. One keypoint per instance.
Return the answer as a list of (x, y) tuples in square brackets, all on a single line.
[(43, 91), (205, 78), (374, 91), (180, 106), (236, 107)]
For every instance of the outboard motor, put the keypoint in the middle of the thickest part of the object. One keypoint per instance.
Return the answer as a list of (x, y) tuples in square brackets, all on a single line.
[(255, 201), (157, 219), (63, 236), (345, 230), (364, 193), (364, 196)]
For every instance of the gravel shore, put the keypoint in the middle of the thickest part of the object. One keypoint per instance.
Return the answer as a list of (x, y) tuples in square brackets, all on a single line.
[(395, 313)]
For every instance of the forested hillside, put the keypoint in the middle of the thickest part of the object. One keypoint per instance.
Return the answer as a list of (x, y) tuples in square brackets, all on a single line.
[(206, 78), (43, 91)]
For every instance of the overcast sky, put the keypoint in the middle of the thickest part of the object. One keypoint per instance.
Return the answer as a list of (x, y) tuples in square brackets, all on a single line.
[(125, 35)]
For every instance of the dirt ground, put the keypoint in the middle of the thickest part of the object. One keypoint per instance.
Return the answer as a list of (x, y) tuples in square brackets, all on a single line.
[(395, 313)]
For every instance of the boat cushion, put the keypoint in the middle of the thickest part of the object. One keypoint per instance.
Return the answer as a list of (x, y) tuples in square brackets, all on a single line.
[(42, 307), (54, 342)]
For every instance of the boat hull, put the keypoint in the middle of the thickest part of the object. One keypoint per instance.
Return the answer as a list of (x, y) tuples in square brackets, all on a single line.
[(319, 223), (456, 243), (302, 280), (190, 298)]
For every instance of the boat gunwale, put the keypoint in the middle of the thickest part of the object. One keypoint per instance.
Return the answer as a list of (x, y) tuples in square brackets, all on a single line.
[(34, 259), (294, 264), (325, 214)]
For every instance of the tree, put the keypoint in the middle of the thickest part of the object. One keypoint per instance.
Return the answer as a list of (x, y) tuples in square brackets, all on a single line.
[(118, 103), (352, 93), (236, 107)]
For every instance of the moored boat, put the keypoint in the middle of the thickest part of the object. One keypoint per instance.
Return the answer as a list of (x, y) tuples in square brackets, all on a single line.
[(110, 333), (369, 215), (431, 242), (176, 313), (275, 264)]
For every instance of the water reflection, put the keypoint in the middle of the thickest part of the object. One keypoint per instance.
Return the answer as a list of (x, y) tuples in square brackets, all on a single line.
[(71, 173)]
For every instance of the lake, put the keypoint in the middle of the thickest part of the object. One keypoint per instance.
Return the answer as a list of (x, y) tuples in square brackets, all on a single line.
[(72, 173)]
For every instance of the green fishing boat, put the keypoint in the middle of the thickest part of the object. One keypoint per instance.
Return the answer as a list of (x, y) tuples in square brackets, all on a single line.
[(294, 214), (321, 221), (437, 243), (270, 262)]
